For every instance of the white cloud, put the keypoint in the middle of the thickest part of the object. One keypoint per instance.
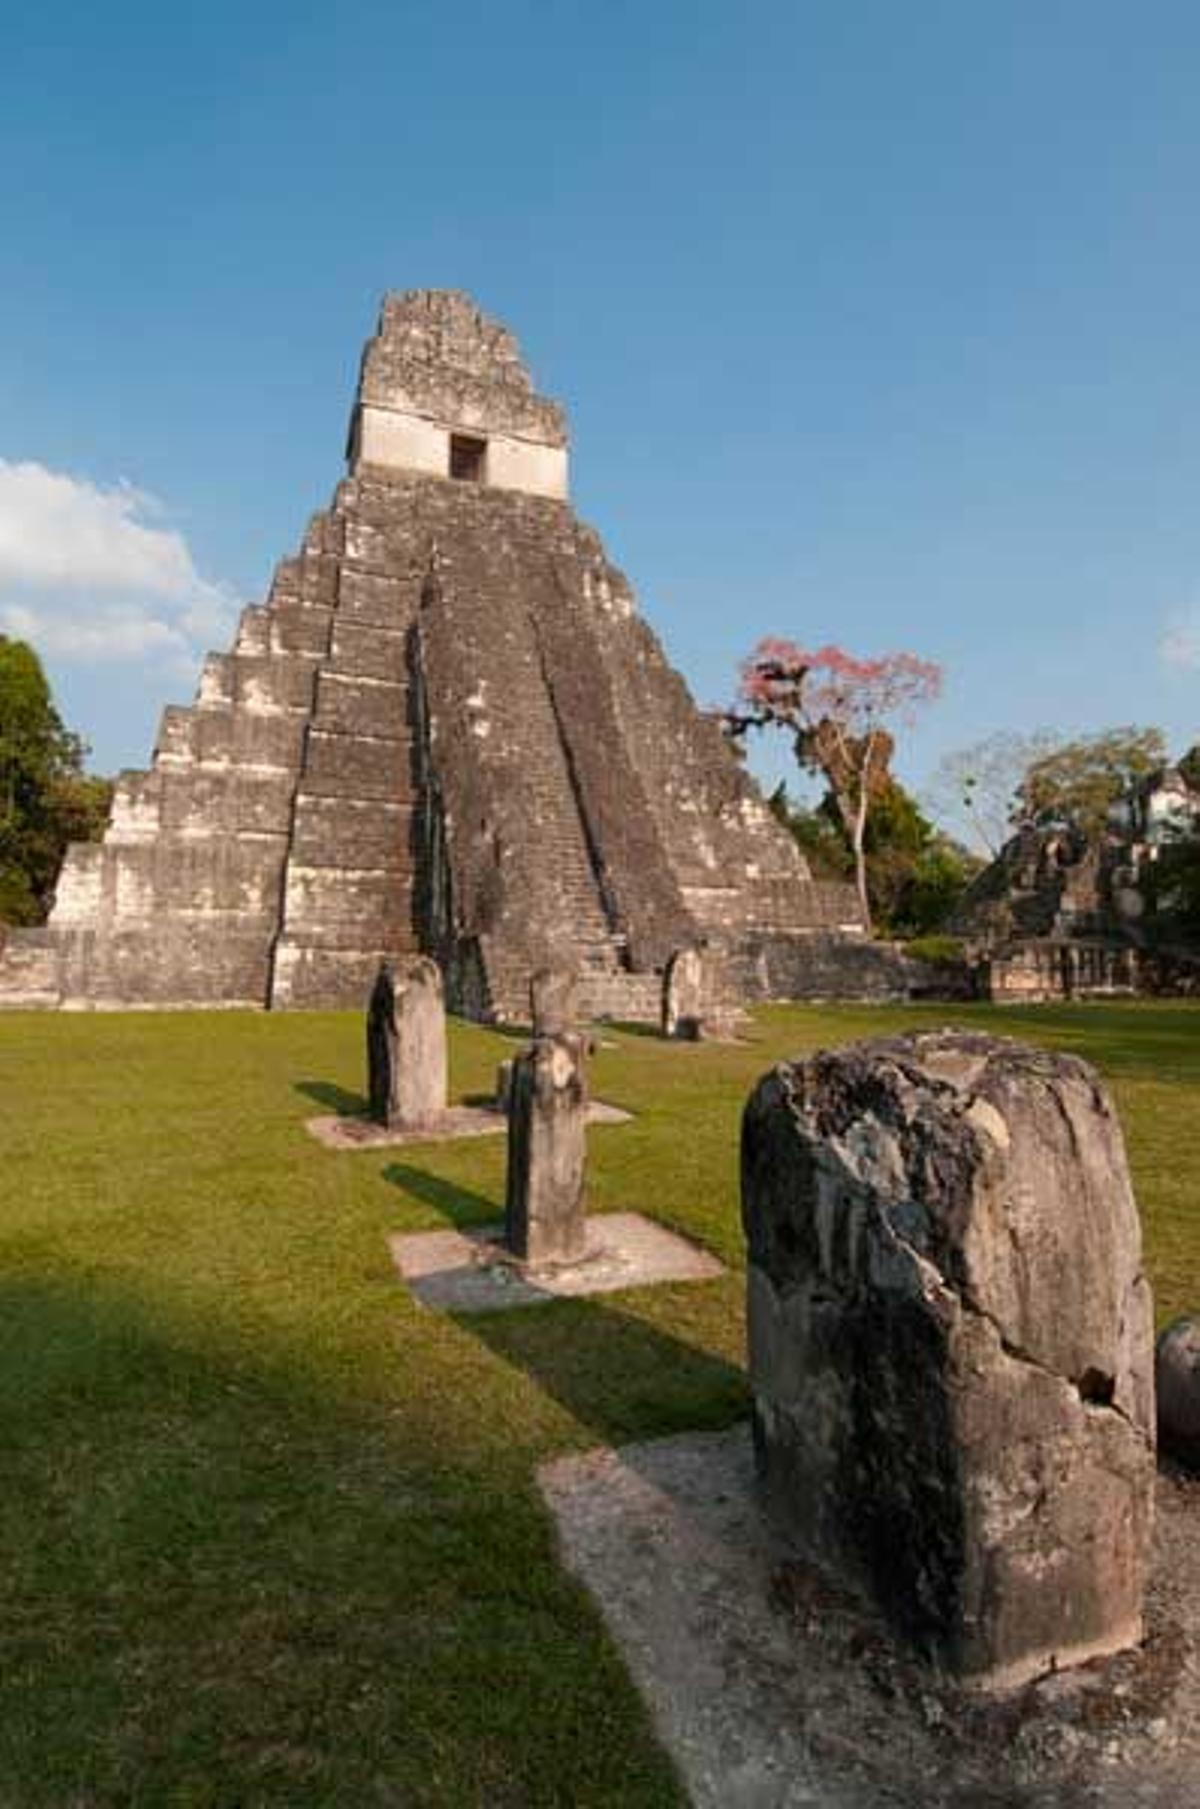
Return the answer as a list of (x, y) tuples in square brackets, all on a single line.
[(90, 574)]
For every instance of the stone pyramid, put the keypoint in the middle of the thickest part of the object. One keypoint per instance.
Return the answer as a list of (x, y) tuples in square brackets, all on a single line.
[(447, 729)]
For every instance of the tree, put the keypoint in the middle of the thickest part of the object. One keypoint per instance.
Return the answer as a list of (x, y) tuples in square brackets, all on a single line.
[(915, 873), (836, 709), (1076, 786), (976, 788), (1189, 767), (46, 799)]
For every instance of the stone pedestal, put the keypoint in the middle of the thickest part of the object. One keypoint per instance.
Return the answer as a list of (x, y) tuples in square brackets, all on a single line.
[(406, 1046), (545, 1220), (951, 1344)]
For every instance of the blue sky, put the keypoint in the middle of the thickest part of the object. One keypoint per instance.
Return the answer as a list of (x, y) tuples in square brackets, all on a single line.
[(877, 323)]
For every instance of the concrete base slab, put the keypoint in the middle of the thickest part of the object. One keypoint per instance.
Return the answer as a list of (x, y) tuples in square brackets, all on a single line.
[(773, 1689), (472, 1272), (353, 1132)]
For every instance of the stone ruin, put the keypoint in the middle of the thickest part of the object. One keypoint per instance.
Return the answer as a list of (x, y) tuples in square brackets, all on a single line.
[(544, 1214), (700, 997), (951, 1344), (406, 1046), (446, 732), (547, 1102), (1064, 914)]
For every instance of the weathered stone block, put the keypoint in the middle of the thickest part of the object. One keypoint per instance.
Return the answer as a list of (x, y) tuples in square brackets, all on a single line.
[(683, 995), (370, 651), (1177, 1375), (547, 1118), (351, 832), (951, 1343), (361, 706), (406, 1046), (358, 766)]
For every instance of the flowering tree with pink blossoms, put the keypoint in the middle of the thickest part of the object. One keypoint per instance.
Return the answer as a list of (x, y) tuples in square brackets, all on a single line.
[(837, 710)]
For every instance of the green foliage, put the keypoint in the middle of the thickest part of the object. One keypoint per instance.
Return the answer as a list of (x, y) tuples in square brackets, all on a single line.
[(938, 951), (819, 834), (1077, 784), (1189, 766), (915, 874), (1173, 885), (46, 800)]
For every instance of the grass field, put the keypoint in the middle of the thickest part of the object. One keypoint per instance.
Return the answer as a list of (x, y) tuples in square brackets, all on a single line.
[(268, 1532)]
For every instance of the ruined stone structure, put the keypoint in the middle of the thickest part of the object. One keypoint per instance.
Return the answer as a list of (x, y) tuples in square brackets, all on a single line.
[(700, 996), (1059, 914), (447, 730), (951, 1344)]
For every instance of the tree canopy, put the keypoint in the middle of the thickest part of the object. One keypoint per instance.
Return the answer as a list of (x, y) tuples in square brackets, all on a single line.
[(1076, 785), (46, 798), (837, 708), (915, 873)]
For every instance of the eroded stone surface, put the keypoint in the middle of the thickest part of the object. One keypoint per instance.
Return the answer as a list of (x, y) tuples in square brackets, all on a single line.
[(951, 1343), (406, 1046), (701, 994), (683, 994), (547, 1152), (1177, 1374)]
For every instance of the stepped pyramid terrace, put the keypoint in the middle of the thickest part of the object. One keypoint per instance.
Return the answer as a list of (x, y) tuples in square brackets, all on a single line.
[(446, 730)]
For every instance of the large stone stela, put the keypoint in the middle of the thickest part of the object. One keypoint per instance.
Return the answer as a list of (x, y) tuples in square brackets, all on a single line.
[(951, 1344)]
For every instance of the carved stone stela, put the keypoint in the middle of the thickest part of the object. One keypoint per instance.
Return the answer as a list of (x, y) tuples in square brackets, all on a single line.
[(951, 1343), (446, 731), (545, 1220), (406, 1046)]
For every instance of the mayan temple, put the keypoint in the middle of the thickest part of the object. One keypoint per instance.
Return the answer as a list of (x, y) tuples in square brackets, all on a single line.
[(446, 730)]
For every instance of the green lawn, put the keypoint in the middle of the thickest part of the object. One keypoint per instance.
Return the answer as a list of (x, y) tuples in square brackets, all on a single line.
[(268, 1532)]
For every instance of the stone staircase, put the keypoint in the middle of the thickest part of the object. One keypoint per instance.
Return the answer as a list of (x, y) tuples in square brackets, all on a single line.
[(347, 889)]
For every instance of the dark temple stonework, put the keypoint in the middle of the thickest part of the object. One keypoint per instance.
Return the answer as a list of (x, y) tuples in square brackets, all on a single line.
[(447, 731)]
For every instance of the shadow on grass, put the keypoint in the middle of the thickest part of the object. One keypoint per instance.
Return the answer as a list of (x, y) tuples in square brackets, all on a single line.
[(334, 1098), (230, 1579), (460, 1206), (622, 1377)]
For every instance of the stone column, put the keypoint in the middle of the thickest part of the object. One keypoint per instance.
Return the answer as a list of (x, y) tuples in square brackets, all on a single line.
[(544, 1222), (951, 1345), (683, 995), (406, 1046)]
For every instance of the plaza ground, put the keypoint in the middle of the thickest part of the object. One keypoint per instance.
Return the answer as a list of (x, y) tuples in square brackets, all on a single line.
[(269, 1532)]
